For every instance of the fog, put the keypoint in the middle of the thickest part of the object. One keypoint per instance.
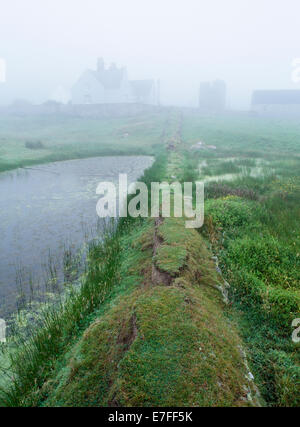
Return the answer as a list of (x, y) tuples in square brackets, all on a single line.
[(248, 43)]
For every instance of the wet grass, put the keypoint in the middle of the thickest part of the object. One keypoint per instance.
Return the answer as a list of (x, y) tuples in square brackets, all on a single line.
[(243, 134), (26, 141), (35, 355), (117, 340), (121, 341), (136, 352), (220, 168), (253, 224)]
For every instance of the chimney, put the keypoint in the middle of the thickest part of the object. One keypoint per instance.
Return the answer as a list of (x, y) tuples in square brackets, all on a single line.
[(100, 65)]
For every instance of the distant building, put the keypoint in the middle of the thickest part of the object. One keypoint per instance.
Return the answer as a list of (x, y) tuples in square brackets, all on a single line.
[(212, 96), (111, 86), (276, 102)]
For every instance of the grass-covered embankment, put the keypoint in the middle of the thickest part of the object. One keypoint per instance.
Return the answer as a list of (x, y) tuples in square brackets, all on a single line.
[(156, 344)]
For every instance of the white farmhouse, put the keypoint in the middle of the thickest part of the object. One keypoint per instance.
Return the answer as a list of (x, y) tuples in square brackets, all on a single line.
[(111, 86)]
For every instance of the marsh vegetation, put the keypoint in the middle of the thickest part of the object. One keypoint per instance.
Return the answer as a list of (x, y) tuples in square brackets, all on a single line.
[(252, 223)]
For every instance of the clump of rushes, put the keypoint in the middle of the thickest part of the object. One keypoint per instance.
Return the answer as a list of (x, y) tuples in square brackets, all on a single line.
[(34, 357)]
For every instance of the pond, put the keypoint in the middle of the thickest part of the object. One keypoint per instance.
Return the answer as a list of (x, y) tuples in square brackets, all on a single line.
[(46, 209)]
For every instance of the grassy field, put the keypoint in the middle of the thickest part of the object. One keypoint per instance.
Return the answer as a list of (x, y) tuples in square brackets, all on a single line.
[(149, 325), (26, 141), (251, 135)]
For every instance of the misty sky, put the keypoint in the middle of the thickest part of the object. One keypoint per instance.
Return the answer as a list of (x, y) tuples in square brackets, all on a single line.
[(248, 43)]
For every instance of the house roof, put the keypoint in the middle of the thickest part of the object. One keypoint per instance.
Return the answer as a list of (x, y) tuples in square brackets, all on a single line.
[(141, 88), (110, 78), (281, 97)]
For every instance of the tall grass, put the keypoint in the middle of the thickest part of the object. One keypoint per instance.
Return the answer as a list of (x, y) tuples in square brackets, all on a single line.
[(33, 357), (253, 225)]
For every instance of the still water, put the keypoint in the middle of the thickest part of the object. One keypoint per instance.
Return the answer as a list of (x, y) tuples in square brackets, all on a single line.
[(45, 209)]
